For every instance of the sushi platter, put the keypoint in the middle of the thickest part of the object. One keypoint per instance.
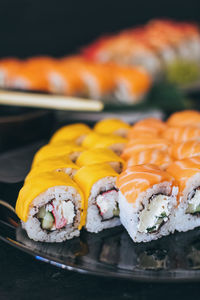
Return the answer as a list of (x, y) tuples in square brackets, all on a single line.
[(115, 200), (120, 68)]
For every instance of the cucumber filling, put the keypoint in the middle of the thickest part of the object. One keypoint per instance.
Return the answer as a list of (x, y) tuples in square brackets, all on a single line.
[(155, 214), (56, 214), (194, 202), (107, 203)]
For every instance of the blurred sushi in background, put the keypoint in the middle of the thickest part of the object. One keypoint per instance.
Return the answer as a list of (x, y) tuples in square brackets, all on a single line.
[(30, 74), (163, 47), (118, 68), (76, 76), (7, 67)]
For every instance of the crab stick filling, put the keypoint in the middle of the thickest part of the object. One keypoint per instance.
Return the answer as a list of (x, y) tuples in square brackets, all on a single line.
[(107, 203), (56, 214)]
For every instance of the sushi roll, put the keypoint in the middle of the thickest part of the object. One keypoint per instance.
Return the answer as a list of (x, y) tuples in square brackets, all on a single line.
[(25, 78), (184, 118), (65, 80), (147, 199), (32, 74), (99, 156), (181, 134), (184, 37), (113, 142), (7, 67), (187, 174), (159, 43), (74, 132), (98, 80), (112, 126), (185, 149), (125, 49), (51, 207), (140, 144), (57, 164), (70, 150), (190, 47), (132, 83), (149, 128), (151, 156), (101, 196)]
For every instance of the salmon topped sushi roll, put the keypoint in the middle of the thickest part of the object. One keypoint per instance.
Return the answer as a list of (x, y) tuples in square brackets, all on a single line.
[(7, 67), (150, 127), (185, 149), (112, 126), (184, 118), (159, 43), (99, 156), (126, 49), (132, 83), (151, 156), (181, 134), (70, 150), (141, 144), (40, 64), (101, 196), (74, 133), (57, 164), (147, 199), (187, 174), (98, 80), (72, 60), (25, 78), (32, 74), (113, 142), (65, 80), (51, 207), (184, 37)]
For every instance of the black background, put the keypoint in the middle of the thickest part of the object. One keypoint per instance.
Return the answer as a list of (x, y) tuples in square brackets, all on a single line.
[(57, 27)]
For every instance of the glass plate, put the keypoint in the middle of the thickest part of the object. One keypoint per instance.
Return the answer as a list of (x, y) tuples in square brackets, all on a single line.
[(112, 253)]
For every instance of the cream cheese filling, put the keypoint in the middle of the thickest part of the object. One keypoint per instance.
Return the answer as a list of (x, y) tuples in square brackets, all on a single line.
[(194, 203), (154, 214)]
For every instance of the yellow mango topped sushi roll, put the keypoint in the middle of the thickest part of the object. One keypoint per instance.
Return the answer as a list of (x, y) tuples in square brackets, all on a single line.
[(73, 133), (101, 196), (113, 142), (69, 149), (51, 207), (112, 126), (99, 156), (57, 164)]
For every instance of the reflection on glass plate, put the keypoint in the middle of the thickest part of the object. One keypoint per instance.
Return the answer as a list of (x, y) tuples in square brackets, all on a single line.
[(112, 253)]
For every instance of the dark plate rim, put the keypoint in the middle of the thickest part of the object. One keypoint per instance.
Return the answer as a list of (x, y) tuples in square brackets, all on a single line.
[(24, 116), (170, 277)]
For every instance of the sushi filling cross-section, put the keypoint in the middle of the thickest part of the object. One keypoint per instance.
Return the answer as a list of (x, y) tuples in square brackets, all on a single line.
[(107, 203), (155, 214), (56, 214), (194, 202)]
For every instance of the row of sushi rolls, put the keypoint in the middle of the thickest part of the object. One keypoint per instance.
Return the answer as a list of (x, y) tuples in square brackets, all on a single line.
[(145, 176), (119, 67)]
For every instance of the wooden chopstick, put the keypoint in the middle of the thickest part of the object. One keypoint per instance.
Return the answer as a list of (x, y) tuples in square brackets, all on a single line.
[(49, 101)]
